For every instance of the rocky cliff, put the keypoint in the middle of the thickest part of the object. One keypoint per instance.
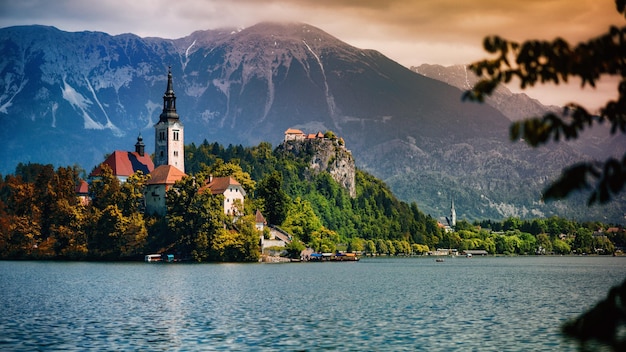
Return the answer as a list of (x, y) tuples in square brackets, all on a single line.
[(328, 155)]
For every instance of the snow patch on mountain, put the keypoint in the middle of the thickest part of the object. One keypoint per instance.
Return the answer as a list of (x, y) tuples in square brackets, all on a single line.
[(10, 86), (74, 98), (330, 100)]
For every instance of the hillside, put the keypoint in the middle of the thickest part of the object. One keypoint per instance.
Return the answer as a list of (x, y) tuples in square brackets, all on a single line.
[(72, 97)]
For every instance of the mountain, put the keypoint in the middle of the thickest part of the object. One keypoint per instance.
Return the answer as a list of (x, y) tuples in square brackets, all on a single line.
[(72, 97), (513, 106)]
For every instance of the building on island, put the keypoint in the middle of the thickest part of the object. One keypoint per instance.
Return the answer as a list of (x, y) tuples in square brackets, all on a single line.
[(169, 153), (292, 134), (259, 221), (232, 191), (124, 163), (169, 138), (161, 180)]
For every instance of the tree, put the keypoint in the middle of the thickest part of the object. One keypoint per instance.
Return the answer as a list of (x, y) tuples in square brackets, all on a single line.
[(275, 200), (370, 247), (301, 220), (561, 247), (584, 241), (194, 219), (544, 245), (294, 248), (536, 61)]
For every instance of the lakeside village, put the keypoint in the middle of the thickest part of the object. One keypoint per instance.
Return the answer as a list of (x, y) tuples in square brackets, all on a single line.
[(164, 177)]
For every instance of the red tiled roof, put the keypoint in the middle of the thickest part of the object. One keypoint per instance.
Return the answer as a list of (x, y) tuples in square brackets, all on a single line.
[(124, 163), (165, 175), (259, 217), (219, 185), (82, 188), (293, 131)]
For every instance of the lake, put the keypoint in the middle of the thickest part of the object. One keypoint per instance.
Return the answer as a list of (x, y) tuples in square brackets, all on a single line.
[(377, 304)]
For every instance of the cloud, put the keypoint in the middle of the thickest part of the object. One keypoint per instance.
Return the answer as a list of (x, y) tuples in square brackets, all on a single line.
[(411, 32)]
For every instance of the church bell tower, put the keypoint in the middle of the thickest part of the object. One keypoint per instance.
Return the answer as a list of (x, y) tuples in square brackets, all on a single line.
[(169, 142)]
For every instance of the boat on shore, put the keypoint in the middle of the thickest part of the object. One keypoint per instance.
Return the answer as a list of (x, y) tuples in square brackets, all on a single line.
[(332, 257), (156, 258)]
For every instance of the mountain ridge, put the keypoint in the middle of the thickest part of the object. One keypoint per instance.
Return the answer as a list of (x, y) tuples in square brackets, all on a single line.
[(71, 97)]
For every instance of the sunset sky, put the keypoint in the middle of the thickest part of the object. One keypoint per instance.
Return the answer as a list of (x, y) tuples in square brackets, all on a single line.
[(410, 32)]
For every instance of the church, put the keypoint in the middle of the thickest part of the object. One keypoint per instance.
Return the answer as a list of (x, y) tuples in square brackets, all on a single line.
[(169, 162), (169, 153)]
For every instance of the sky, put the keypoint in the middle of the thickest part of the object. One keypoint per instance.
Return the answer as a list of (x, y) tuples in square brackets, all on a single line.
[(411, 32)]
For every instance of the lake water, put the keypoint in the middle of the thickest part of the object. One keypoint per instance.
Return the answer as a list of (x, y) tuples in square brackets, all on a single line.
[(377, 304)]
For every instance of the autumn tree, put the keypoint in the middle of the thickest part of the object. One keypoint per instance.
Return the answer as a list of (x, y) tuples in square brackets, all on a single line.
[(117, 228), (538, 61)]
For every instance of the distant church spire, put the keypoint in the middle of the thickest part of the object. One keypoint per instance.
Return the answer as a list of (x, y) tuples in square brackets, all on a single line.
[(452, 213)]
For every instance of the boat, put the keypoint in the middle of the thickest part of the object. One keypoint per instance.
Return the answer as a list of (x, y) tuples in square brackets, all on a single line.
[(333, 257), (469, 255), (440, 260), (167, 258)]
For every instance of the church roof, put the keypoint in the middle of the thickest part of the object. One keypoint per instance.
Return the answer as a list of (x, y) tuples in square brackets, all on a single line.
[(165, 175), (219, 185), (124, 163), (259, 219), (82, 187)]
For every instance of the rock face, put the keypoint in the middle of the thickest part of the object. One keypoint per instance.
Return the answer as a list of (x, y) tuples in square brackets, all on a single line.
[(328, 155)]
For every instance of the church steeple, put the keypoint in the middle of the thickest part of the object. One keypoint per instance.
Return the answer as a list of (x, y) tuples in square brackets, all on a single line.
[(169, 131), (139, 146), (169, 100), (452, 213)]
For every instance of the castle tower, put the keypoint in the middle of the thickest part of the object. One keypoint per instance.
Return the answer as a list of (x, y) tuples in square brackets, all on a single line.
[(169, 142)]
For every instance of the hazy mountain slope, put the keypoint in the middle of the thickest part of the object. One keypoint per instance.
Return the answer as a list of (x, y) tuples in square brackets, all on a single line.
[(72, 97)]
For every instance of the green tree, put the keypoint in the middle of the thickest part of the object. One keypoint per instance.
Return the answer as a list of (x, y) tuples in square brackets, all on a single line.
[(356, 245), (602, 245), (370, 247), (194, 218), (544, 243), (583, 242), (237, 246), (275, 200), (561, 247), (528, 243), (294, 248), (301, 220), (381, 246)]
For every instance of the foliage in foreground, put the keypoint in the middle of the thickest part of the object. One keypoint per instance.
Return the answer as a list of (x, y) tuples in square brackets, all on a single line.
[(536, 61)]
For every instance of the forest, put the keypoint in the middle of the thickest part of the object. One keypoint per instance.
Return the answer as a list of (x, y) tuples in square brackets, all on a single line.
[(41, 216)]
